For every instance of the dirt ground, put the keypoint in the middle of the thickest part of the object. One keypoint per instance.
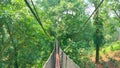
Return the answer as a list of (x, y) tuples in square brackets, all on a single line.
[(111, 60)]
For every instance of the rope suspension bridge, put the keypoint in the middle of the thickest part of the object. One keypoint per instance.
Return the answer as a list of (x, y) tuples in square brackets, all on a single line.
[(57, 59)]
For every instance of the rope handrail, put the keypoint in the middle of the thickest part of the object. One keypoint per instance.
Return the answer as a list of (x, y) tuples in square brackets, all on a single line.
[(116, 13), (36, 16), (91, 16)]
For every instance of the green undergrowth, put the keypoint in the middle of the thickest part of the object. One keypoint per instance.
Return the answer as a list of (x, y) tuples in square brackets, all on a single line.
[(114, 46)]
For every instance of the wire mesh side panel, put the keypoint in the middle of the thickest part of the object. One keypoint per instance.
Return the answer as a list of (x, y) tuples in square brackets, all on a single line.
[(50, 63), (64, 60)]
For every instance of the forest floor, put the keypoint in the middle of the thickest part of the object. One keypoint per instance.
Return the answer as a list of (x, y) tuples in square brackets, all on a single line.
[(109, 60)]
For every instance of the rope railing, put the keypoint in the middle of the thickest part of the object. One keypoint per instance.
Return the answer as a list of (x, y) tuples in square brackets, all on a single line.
[(116, 13), (90, 16), (34, 12)]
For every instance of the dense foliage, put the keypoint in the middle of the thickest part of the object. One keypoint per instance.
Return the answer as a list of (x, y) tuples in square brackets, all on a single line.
[(24, 44)]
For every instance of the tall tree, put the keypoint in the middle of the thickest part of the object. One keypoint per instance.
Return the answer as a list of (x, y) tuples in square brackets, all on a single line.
[(98, 35)]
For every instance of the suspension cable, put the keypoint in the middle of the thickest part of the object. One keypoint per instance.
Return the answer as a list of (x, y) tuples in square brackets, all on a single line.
[(90, 16), (116, 13), (36, 16)]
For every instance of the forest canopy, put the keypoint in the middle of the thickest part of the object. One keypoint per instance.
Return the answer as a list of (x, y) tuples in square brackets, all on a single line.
[(82, 27)]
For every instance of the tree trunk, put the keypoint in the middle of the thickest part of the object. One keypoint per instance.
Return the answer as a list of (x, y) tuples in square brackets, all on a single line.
[(97, 34), (97, 53), (16, 54)]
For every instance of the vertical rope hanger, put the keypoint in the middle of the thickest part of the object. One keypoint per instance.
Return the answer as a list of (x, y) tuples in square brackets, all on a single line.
[(35, 13)]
